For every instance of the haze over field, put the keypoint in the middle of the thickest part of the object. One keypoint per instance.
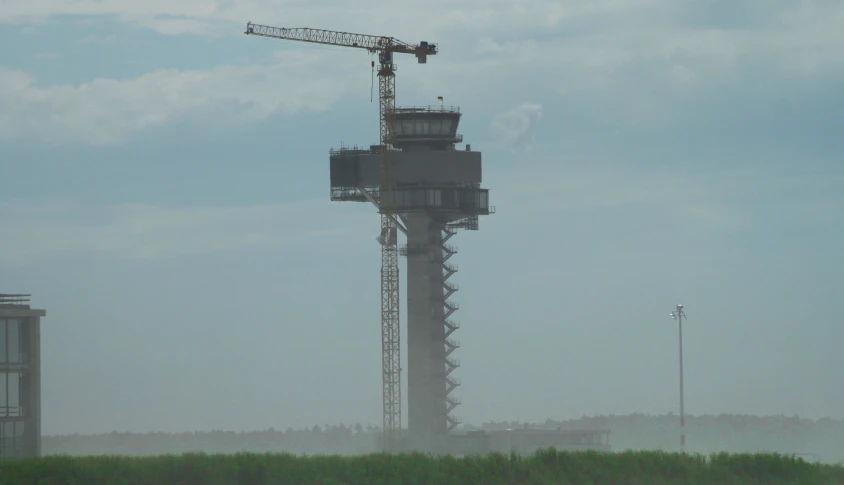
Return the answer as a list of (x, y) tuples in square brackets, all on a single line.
[(814, 441), (164, 195)]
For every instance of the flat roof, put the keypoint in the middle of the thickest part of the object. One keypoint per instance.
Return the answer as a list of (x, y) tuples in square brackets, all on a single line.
[(17, 305), (12, 311)]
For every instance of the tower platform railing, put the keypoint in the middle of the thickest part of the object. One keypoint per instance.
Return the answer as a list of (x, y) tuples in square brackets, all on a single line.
[(427, 109)]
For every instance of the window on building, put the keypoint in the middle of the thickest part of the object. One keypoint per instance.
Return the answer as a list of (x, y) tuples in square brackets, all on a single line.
[(11, 439), (3, 352), (13, 341), (10, 386)]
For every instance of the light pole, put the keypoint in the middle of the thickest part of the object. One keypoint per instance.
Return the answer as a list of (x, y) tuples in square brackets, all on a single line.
[(678, 315)]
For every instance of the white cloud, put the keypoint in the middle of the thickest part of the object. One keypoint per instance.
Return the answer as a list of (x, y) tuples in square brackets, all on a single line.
[(696, 200), (711, 216), (411, 18), (515, 128), (488, 45), (604, 39), (586, 184), (48, 55), (638, 57), (106, 111), (807, 27), (178, 26), (37, 232)]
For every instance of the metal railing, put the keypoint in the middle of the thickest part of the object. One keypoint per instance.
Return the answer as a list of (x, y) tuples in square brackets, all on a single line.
[(427, 138), (353, 150), (13, 299), (427, 109)]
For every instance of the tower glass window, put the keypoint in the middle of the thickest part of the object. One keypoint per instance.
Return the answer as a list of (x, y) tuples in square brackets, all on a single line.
[(10, 402), (435, 127)]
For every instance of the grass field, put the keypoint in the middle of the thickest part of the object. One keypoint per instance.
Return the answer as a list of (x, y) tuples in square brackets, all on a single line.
[(546, 467)]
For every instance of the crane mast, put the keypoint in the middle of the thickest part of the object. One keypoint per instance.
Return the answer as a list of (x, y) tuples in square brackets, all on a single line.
[(390, 316), (390, 309)]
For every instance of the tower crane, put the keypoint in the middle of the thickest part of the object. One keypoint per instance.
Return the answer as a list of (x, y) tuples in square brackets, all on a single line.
[(385, 47)]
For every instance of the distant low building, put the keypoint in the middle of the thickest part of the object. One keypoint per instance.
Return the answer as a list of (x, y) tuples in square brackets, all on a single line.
[(524, 441), (528, 440)]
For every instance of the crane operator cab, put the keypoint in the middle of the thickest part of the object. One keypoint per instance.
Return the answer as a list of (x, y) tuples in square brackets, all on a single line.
[(422, 57)]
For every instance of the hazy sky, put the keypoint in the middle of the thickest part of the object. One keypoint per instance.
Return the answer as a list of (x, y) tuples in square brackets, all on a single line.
[(164, 196)]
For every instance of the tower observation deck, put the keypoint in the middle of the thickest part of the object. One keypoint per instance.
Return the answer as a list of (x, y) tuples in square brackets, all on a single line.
[(438, 191)]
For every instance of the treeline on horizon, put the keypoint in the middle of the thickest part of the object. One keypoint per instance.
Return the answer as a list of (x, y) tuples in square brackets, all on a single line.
[(544, 467), (822, 438)]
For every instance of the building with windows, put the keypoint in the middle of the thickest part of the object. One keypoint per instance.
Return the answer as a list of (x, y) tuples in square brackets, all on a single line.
[(20, 377)]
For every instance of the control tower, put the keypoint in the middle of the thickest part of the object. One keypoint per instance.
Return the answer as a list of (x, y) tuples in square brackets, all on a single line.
[(438, 191)]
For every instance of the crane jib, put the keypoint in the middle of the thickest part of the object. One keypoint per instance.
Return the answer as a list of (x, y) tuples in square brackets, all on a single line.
[(371, 43)]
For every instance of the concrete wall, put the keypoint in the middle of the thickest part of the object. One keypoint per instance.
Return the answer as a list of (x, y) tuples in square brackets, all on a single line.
[(426, 407)]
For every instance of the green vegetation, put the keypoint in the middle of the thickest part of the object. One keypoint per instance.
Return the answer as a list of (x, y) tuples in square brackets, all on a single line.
[(546, 467)]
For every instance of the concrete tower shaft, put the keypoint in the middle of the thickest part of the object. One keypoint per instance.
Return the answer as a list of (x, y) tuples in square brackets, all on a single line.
[(429, 346)]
